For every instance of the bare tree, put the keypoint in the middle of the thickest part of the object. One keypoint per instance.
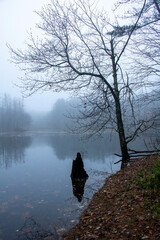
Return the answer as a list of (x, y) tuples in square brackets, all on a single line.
[(146, 54), (81, 51), (13, 116), (146, 44)]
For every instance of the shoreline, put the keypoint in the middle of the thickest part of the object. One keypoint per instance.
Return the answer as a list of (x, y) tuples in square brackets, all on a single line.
[(118, 210)]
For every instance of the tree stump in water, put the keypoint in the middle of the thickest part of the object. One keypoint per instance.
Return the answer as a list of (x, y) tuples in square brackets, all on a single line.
[(79, 177), (78, 170)]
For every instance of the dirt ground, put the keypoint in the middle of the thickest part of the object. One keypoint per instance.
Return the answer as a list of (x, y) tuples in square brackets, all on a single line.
[(121, 209)]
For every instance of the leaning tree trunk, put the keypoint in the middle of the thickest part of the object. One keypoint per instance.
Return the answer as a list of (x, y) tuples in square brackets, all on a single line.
[(120, 126)]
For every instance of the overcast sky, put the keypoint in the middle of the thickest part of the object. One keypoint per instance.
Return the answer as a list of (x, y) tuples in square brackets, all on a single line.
[(16, 17)]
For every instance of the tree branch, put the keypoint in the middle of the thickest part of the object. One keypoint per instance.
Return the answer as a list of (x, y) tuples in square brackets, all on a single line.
[(131, 32)]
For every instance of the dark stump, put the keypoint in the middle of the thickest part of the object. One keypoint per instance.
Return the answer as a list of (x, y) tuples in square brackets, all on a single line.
[(79, 177), (78, 170)]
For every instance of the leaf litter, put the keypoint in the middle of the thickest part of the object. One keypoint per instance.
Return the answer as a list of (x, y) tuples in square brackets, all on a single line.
[(121, 209)]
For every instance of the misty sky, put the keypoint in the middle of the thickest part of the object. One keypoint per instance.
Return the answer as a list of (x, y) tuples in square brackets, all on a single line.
[(16, 18)]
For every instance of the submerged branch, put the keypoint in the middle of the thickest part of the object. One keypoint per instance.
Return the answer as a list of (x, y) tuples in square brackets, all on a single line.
[(145, 151), (136, 154)]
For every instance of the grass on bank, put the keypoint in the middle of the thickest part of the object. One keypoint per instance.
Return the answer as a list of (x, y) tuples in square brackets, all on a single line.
[(150, 183)]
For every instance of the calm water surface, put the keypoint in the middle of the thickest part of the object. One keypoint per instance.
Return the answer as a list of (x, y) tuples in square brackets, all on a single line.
[(35, 183)]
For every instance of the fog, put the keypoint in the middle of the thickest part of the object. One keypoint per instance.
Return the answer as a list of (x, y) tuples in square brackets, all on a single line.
[(60, 118), (14, 116), (16, 19)]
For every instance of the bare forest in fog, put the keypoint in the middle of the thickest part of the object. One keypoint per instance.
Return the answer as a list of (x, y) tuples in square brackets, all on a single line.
[(63, 116), (57, 119), (13, 117)]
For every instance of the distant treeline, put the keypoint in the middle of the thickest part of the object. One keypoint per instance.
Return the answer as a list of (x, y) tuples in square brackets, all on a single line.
[(59, 119), (12, 114), (64, 115)]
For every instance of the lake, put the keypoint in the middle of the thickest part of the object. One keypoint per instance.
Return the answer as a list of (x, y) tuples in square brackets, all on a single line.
[(36, 190)]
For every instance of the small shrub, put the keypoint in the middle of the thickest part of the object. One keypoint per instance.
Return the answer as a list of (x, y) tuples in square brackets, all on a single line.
[(156, 210), (150, 180)]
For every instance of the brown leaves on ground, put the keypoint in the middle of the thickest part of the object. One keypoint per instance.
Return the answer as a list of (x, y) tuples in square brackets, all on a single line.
[(118, 210)]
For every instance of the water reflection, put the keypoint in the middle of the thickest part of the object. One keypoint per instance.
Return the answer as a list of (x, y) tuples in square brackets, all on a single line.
[(33, 230), (12, 149), (65, 146), (78, 187), (42, 187)]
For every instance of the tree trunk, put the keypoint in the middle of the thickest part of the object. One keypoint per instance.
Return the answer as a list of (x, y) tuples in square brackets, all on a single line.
[(120, 126), (121, 132)]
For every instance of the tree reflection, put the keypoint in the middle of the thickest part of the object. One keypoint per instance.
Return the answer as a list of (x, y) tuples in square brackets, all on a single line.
[(33, 230), (12, 149), (65, 145)]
